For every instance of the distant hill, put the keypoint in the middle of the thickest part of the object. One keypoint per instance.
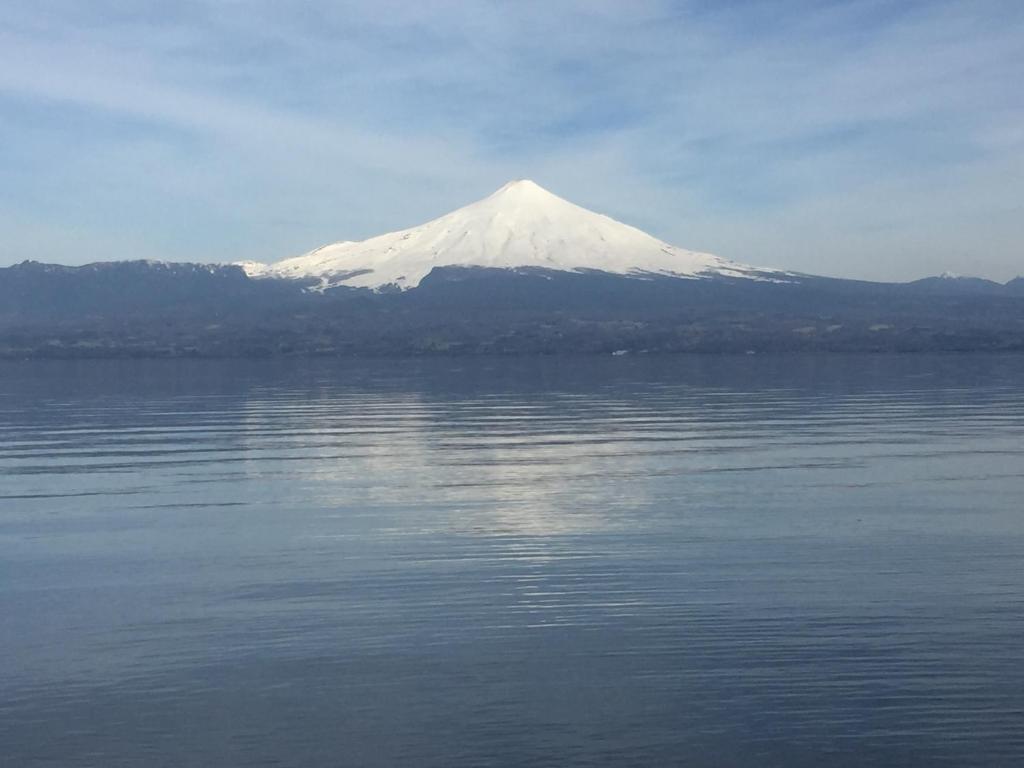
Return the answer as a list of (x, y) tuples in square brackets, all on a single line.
[(1015, 287), (31, 292), (954, 285)]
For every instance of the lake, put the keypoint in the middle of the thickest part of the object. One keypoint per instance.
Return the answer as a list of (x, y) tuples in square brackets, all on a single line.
[(699, 561)]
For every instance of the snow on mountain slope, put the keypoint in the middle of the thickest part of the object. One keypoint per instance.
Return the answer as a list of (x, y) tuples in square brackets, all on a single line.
[(520, 225)]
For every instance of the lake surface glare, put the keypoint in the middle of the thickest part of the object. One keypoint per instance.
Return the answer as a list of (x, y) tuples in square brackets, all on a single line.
[(695, 561)]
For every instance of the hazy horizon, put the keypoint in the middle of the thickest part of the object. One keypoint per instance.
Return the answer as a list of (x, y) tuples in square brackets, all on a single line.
[(854, 139)]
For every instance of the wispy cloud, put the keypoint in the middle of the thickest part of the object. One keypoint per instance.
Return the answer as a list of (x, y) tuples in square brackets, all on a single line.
[(871, 139)]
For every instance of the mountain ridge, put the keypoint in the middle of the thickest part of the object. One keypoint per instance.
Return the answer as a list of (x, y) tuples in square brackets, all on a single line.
[(142, 309)]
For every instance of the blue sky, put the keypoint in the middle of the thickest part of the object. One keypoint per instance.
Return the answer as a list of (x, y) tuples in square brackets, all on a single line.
[(882, 140)]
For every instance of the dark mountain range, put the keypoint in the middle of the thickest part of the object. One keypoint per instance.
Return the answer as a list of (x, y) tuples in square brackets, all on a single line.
[(155, 309)]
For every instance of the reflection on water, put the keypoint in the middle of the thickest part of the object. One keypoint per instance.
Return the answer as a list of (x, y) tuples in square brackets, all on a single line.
[(699, 561)]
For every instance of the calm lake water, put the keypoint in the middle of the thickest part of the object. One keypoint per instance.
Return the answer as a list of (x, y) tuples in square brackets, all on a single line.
[(699, 561)]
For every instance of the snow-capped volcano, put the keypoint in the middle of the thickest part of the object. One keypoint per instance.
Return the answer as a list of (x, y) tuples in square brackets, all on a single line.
[(522, 225)]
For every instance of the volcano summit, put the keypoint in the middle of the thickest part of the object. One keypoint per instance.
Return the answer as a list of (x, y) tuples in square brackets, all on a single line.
[(520, 226)]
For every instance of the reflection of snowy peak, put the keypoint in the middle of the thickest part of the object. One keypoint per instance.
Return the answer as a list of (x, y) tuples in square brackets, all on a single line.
[(520, 225)]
